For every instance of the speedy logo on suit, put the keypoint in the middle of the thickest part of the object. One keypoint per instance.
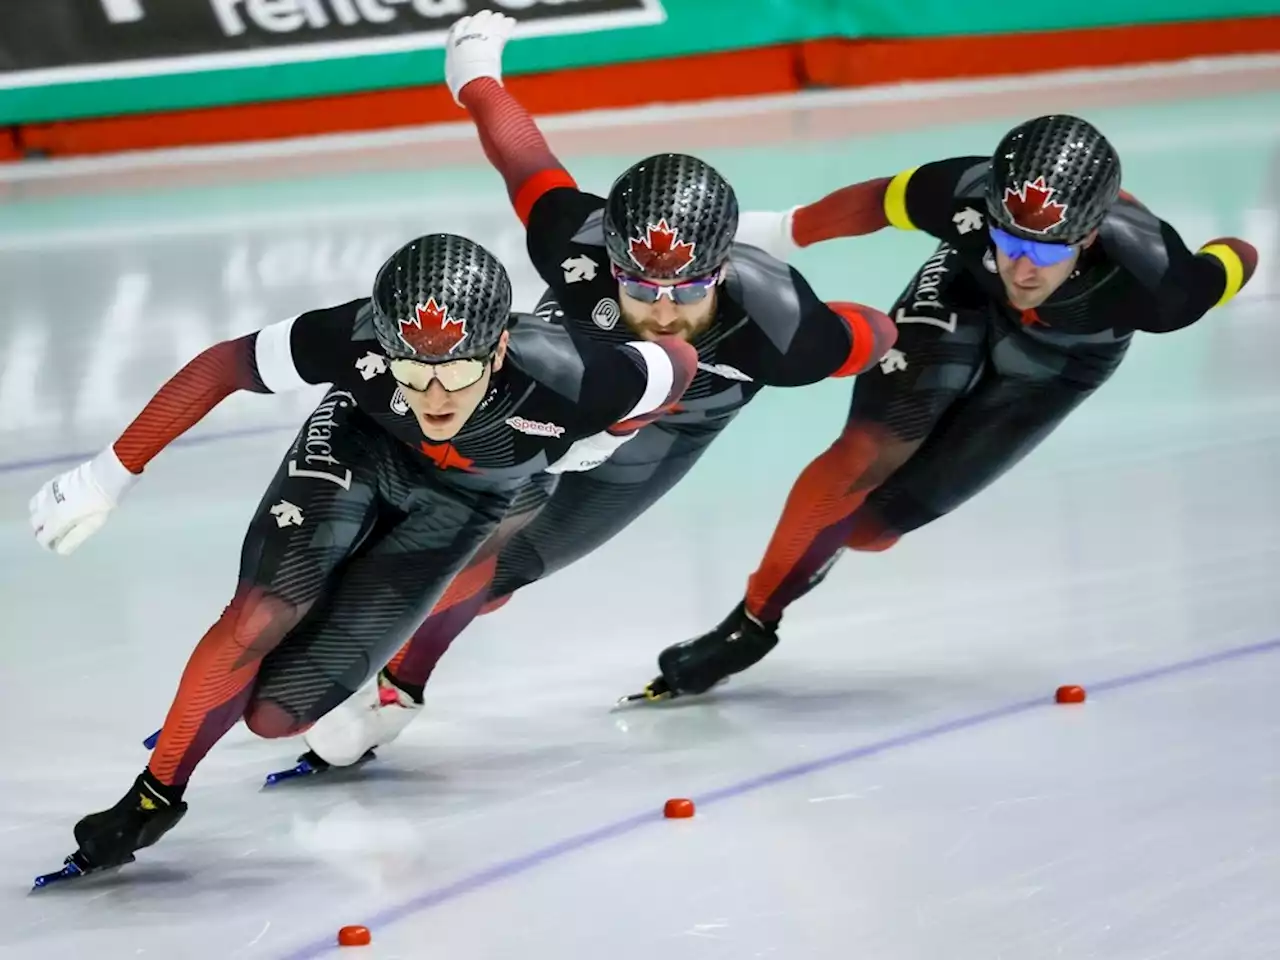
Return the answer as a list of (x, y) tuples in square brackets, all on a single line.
[(535, 428)]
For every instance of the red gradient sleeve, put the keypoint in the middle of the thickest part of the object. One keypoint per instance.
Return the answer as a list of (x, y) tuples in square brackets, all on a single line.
[(187, 397), (514, 144), (851, 211), (874, 335)]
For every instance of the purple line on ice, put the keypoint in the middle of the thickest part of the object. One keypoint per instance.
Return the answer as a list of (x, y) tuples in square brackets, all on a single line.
[(518, 865)]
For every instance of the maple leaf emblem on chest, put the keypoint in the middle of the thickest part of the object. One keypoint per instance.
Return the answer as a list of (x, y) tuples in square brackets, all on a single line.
[(661, 250), (432, 332), (446, 456), (1033, 207)]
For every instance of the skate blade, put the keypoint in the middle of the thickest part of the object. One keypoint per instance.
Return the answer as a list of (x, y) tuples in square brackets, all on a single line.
[(656, 691), (310, 764), (75, 867)]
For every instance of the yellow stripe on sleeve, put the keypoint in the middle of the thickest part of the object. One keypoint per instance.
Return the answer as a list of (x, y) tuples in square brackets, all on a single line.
[(1230, 262), (895, 201)]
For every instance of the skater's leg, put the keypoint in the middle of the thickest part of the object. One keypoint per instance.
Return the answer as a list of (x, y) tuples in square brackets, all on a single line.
[(376, 600), (585, 510), (942, 342), (592, 507), (302, 530), (1019, 401), (467, 595), (380, 710), (1007, 416)]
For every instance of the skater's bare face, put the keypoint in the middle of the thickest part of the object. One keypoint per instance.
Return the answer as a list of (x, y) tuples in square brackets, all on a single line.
[(442, 413), (1028, 286), (664, 316)]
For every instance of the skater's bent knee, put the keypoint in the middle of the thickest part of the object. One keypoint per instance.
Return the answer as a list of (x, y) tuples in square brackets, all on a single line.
[(271, 721), (870, 534), (869, 452), (495, 604), (873, 546)]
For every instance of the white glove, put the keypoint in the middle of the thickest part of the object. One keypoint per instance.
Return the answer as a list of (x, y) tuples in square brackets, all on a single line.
[(768, 230), (473, 49), (589, 452), (71, 507)]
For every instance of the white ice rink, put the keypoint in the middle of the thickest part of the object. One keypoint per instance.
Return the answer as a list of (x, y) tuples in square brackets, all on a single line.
[(893, 783)]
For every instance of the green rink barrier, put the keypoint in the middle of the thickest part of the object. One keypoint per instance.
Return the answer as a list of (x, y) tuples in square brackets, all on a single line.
[(937, 18), (74, 59)]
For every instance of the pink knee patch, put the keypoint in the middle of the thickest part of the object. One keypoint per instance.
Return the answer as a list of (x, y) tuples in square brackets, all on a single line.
[(269, 721), (493, 605), (870, 536)]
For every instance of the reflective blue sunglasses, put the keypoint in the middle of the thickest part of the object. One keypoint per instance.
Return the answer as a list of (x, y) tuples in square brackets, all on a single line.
[(1038, 252)]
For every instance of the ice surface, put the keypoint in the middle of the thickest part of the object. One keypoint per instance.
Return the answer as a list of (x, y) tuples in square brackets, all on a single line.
[(894, 782)]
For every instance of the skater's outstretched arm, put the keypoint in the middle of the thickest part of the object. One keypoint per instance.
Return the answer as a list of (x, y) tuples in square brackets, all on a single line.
[(514, 145), (187, 397), (74, 505), (511, 140), (917, 199), (1196, 283), (796, 338), (1175, 286)]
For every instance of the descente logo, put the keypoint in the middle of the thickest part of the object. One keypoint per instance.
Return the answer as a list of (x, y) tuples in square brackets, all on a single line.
[(236, 17)]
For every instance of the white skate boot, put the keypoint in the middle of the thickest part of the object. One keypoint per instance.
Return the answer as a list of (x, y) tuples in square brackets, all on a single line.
[(371, 717)]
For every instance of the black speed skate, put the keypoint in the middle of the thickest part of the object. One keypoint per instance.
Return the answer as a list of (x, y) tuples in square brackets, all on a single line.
[(695, 666), (110, 838)]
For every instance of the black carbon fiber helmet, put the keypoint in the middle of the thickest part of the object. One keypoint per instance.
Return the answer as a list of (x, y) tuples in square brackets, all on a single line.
[(670, 217), (1053, 179), (441, 297)]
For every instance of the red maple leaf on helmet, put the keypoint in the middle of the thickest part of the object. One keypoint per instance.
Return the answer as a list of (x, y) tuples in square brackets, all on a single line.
[(431, 333), (661, 250), (1031, 207)]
